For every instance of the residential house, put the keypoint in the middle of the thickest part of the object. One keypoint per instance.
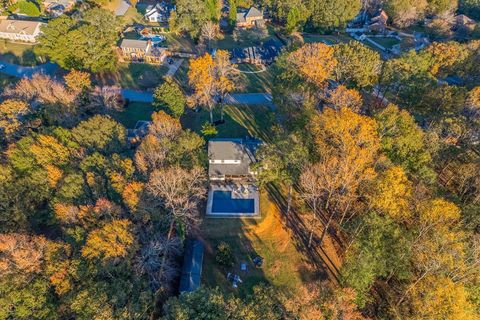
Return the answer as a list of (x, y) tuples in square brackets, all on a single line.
[(231, 159), (20, 30), (250, 18), (462, 22), (142, 51), (192, 266), (260, 55), (159, 12), (58, 7), (378, 22)]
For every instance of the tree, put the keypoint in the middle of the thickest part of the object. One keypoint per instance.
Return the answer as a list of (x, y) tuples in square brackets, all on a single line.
[(84, 44), (11, 112), (232, 13), (439, 7), (392, 194), (470, 8), (403, 141), (170, 96), (211, 79), (210, 31), (189, 17), (78, 81), (314, 61), (114, 239), (332, 14), (341, 97), (100, 133), (405, 12), (357, 64)]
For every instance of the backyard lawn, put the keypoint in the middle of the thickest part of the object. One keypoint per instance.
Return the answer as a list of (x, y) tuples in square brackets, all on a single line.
[(386, 42), (244, 38), (134, 111), (240, 121), (327, 39), (255, 79), (138, 76), (284, 266), (18, 53)]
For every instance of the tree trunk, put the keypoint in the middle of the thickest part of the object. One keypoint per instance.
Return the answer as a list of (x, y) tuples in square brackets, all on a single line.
[(324, 232), (211, 115), (289, 199), (311, 228)]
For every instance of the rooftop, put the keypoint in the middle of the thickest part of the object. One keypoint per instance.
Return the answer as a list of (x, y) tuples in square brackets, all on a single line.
[(234, 156), (17, 26), (137, 44)]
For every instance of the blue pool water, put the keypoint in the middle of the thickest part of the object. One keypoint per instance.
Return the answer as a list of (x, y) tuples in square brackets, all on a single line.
[(223, 203)]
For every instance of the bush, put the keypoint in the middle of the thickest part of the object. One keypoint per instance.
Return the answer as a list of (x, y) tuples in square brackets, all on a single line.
[(209, 129), (224, 255)]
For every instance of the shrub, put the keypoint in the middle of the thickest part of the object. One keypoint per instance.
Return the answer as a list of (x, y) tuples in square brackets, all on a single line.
[(224, 255)]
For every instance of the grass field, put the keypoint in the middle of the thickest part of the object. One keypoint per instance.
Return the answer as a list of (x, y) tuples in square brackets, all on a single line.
[(255, 82), (244, 38), (327, 39), (284, 266), (139, 76), (386, 42), (18, 53), (134, 112), (240, 121)]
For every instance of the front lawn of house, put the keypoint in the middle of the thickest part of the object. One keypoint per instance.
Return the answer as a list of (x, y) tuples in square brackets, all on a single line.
[(240, 121), (18, 53), (139, 76), (386, 42), (243, 38), (133, 112), (255, 79)]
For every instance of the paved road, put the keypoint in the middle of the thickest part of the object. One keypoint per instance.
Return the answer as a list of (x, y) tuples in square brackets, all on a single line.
[(172, 68), (234, 98), (133, 95), (21, 71)]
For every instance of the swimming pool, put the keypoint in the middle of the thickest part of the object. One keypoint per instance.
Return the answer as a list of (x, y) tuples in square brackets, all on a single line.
[(223, 203)]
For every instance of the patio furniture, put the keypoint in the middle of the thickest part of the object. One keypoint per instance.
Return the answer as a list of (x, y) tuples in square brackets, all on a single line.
[(258, 261), (243, 266)]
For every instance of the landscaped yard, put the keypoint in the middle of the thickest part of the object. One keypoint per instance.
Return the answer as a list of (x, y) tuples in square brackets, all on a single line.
[(284, 266), (244, 38), (139, 76), (240, 121), (135, 111), (386, 42), (327, 39), (256, 79), (18, 53)]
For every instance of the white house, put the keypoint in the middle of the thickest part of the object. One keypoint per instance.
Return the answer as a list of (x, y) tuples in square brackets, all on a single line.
[(159, 12), (20, 30)]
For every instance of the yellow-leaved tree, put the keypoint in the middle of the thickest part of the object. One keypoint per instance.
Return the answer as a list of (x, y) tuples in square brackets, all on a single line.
[(112, 240)]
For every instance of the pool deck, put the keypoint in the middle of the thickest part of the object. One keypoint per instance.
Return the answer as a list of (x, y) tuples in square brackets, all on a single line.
[(250, 193)]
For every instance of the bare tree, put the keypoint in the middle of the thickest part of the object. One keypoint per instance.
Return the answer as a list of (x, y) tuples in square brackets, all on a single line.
[(21, 253), (210, 31)]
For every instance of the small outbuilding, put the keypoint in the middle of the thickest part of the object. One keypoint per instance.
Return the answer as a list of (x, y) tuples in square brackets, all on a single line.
[(192, 266)]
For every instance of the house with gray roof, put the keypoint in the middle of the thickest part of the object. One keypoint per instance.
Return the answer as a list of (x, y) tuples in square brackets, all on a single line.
[(250, 18), (231, 159)]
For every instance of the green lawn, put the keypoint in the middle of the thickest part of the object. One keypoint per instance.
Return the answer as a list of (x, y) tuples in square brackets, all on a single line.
[(18, 53), (240, 121), (139, 76), (386, 42), (254, 82), (179, 43), (244, 38), (327, 39), (284, 266), (134, 112)]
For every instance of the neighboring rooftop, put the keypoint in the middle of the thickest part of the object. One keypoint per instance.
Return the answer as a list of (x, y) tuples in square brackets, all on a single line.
[(192, 266), (136, 44), (254, 13), (19, 26)]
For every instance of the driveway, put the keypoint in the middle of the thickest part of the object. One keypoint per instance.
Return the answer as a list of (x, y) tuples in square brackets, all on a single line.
[(172, 68), (21, 71), (122, 8)]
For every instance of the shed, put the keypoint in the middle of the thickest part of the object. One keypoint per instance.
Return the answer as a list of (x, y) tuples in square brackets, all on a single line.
[(192, 266)]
